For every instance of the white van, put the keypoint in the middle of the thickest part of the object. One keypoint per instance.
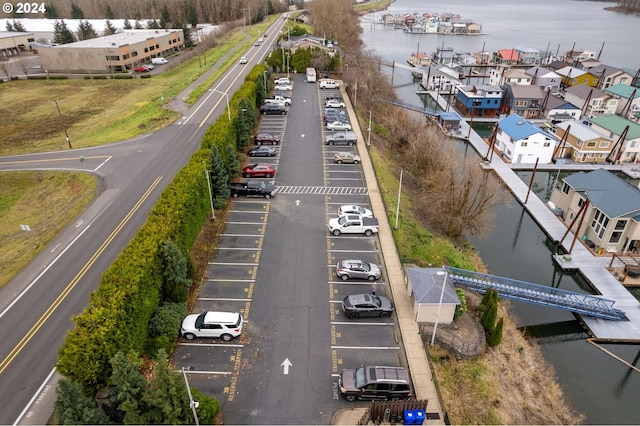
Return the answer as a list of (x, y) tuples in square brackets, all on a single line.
[(159, 61), (327, 83)]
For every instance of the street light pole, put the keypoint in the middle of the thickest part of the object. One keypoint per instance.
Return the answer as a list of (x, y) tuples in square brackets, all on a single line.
[(398, 206), (369, 132), (192, 403), (227, 97), (206, 176), (435, 326), (264, 80)]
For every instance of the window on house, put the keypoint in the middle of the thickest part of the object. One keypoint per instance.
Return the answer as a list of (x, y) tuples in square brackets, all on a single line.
[(620, 224), (546, 144), (604, 144), (615, 237), (591, 144), (599, 223), (581, 202), (523, 144), (565, 188)]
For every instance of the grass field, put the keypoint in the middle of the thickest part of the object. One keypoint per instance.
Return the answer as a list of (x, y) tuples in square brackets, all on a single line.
[(95, 112)]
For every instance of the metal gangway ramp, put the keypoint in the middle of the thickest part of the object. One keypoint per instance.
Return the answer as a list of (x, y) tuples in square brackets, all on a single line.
[(584, 304)]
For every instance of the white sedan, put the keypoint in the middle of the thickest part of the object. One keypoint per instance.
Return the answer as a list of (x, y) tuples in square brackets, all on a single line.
[(353, 209), (338, 126), (287, 87), (333, 103)]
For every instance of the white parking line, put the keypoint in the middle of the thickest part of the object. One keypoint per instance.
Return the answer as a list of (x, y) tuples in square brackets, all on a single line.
[(229, 280), (249, 211), (234, 263), (245, 223), (356, 282), (360, 323), (226, 373), (238, 248), (238, 200), (352, 251), (375, 348), (217, 345), (223, 299), (242, 235)]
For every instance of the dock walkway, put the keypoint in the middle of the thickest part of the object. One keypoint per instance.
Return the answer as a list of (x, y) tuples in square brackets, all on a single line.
[(591, 267)]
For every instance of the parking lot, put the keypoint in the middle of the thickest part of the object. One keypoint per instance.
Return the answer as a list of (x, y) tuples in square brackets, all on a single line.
[(276, 264)]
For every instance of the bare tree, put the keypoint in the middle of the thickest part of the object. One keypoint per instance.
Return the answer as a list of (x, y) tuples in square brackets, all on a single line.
[(5, 67)]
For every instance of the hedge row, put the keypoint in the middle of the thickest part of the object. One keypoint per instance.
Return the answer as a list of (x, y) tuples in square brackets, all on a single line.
[(119, 311)]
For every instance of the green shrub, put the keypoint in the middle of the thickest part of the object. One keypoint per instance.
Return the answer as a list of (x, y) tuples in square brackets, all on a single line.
[(145, 76), (167, 319), (157, 344), (122, 76), (496, 335), (208, 407)]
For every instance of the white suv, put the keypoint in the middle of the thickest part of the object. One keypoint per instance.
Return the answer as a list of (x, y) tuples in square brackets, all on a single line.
[(224, 325), (281, 81), (328, 84)]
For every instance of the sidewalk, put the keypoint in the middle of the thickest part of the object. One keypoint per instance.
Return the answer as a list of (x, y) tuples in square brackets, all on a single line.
[(419, 368)]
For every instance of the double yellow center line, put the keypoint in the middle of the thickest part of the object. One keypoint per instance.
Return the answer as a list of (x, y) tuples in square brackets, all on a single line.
[(58, 301)]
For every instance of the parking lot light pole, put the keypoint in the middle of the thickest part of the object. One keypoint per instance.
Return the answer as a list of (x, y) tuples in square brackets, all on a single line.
[(193, 404), (435, 326), (206, 176), (227, 97), (369, 132)]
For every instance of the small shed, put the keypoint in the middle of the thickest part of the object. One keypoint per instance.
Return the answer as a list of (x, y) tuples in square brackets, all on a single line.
[(425, 284), (449, 121)]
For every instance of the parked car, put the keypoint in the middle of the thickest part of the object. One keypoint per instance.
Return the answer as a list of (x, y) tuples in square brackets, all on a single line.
[(224, 325), (367, 305), (334, 115), (338, 126), (252, 188), (262, 151), (141, 68), (332, 103), (353, 209), (258, 170), (333, 98), (244, 60), (273, 109), (148, 66), (374, 382), (159, 61), (346, 157), (357, 269), (286, 87), (329, 84), (282, 80), (266, 139)]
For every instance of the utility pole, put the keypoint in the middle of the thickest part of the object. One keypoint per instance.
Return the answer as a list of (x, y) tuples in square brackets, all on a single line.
[(64, 125)]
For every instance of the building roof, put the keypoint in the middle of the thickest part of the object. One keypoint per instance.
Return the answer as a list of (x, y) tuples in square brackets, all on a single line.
[(607, 70), (542, 72), (526, 49), (583, 91), (624, 91), (607, 192), (555, 102), (571, 72), (581, 131), (119, 39), (509, 54), (427, 286), (616, 125), (518, 128), (516, 73), (526, 91)]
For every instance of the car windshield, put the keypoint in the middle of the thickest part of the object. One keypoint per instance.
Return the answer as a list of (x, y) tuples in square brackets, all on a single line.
[(200, 320), (359, 378), (366, 266), (376, 301), (342, 220)]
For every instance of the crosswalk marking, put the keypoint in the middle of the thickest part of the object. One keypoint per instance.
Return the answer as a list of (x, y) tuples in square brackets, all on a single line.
[(322, 190)]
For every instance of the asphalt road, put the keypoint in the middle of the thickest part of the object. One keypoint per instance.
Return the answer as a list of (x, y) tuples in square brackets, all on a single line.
[(37, 306)]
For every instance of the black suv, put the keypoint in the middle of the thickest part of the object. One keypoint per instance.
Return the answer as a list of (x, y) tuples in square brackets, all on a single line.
[(273, 109), (374, 382)]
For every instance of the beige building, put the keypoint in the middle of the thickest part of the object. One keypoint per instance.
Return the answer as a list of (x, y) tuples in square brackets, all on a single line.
[(119, 52), (582, 144), (11, 43)]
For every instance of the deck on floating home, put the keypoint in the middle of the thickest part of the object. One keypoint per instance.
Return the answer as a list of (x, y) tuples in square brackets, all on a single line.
[(591, 267)]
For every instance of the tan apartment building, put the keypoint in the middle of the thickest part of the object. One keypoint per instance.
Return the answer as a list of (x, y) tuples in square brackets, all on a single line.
[(119, 52), (582, 144)]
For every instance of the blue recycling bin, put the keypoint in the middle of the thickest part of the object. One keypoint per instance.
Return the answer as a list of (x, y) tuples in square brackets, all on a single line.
[(419, 417), (409, 417)]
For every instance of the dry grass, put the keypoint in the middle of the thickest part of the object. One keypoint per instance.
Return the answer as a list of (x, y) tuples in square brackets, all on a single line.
[(510, 384), (46, 202)]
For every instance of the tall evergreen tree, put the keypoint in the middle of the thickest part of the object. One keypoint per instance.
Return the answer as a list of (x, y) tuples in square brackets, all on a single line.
[(50, 11), (219, 179), (175, 274), (17, 26), (62, 34), (73, 407), (137, 25), (153, 25), (192, 15), (167, 395), (76, 12), (86, 31), (165, 17), (233, 165), (496, 335), (9, 27), (109, 28), (108, 13), (128, 386), (488, 318), (126, 24)]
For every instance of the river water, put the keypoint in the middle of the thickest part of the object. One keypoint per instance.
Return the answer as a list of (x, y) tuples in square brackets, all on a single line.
[(604, 389)]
